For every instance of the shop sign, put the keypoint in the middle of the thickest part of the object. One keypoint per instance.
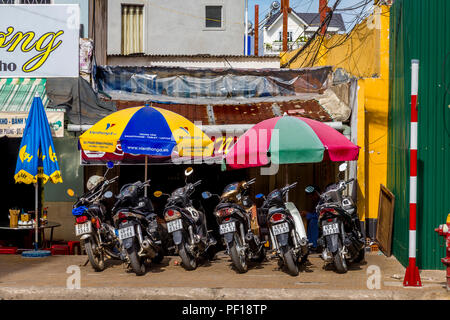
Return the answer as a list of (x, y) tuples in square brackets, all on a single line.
[(12, 124), (39, 41)]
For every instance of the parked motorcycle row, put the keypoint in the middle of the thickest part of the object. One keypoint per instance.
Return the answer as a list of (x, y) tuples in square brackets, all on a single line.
[(131, 231)]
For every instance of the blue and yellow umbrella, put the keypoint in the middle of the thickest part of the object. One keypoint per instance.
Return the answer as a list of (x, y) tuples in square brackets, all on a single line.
[(37, 159), (149, 131)]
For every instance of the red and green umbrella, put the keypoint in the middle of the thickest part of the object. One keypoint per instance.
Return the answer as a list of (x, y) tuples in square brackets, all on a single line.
[(287, 139)]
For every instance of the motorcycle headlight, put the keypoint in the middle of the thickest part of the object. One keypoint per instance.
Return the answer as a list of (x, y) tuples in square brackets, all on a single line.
[(171, 214)]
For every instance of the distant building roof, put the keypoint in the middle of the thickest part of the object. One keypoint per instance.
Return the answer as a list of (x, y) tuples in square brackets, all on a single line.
[(312, 19)]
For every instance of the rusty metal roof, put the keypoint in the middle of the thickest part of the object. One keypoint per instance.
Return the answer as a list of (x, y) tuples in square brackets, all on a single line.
[(239, 114)]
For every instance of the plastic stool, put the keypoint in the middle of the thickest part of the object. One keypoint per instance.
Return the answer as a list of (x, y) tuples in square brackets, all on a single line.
[(8, 250), (74, 245), (60, 249)]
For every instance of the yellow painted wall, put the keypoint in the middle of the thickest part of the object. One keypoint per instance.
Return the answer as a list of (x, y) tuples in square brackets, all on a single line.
[(364, 53)]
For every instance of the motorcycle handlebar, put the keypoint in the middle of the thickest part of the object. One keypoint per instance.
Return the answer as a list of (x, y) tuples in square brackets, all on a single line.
[(251, 181), (197, 183), (288, 187), (349, 181)]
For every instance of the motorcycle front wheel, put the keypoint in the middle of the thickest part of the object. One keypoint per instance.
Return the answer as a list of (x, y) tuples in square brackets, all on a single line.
[(361, 255), (189, 261), (158, 258), (261, 255), (95, 255), (290, 262), (239, 260), (135, 262)]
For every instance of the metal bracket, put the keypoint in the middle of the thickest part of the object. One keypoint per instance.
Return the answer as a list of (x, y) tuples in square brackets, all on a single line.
[(210, 112)]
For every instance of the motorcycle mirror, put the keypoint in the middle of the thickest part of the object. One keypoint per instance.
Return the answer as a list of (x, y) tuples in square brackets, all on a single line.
[(110, 164), (343, 167), (108, 195), (309, 189), (259, 196), (70, 192), (188, 171), (206, 195), (157, 194)]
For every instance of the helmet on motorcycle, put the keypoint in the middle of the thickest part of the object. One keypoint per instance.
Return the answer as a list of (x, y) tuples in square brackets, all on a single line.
[(93, 181)]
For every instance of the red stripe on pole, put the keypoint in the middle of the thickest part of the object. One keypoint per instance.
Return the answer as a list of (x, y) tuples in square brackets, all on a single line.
[(413, 163), (412, 216), (412, 276), (414, 116)]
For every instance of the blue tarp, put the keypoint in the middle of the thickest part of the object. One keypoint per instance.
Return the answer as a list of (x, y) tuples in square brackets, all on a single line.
[(211, 84)]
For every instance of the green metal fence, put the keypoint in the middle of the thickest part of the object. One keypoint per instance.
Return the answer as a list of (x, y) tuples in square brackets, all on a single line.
[(420, 30)]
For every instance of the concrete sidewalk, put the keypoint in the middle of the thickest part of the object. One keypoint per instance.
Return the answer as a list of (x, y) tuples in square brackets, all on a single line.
[(46, 278)]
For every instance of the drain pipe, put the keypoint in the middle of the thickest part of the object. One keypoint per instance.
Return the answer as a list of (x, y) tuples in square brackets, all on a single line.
[(338, 125)]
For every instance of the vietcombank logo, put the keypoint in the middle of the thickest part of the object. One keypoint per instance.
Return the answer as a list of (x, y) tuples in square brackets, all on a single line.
[(39, 48)]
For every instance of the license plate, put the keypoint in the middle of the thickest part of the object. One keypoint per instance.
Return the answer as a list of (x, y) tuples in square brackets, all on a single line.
[(227, 227), (280, 228), (174, 225), (328, 229), (83, 228), (125, 233)]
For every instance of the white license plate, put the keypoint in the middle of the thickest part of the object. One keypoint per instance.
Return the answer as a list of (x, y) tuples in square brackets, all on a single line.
[(227, 227), (328, 229), (174, 225), (280, 228), (125, 233), (83, 228)]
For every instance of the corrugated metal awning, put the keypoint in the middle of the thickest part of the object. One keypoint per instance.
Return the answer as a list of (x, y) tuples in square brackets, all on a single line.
[(16, 94)]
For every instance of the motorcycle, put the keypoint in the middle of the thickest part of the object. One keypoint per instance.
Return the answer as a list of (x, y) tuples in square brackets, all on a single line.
[(187, 225), (340, 233), (286, 230), (137, 227), (92, 223), (233, 214)]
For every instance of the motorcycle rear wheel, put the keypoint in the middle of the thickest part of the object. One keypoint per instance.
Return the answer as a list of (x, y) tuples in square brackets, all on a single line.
[(96, 257), (189, 261), (239, 261), (136, 264), (290, 262), (339, 261)]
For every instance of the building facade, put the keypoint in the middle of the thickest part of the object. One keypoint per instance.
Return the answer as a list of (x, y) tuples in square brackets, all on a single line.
[(176, 27), (301, 26)]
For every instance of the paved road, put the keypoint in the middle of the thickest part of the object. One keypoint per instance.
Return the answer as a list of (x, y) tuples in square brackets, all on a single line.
[(45, 278)]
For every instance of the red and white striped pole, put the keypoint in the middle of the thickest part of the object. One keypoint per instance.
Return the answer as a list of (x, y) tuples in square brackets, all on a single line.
[(412, 276)]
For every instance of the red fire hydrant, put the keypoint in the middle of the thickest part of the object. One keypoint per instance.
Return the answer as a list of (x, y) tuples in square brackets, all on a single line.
[(444, 230)]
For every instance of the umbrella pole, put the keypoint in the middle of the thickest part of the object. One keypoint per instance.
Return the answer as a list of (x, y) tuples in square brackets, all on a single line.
[(36, 232), (286, 175), (145, 190)]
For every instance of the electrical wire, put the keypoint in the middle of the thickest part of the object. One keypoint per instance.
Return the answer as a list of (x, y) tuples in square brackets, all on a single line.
[(361, 16)]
